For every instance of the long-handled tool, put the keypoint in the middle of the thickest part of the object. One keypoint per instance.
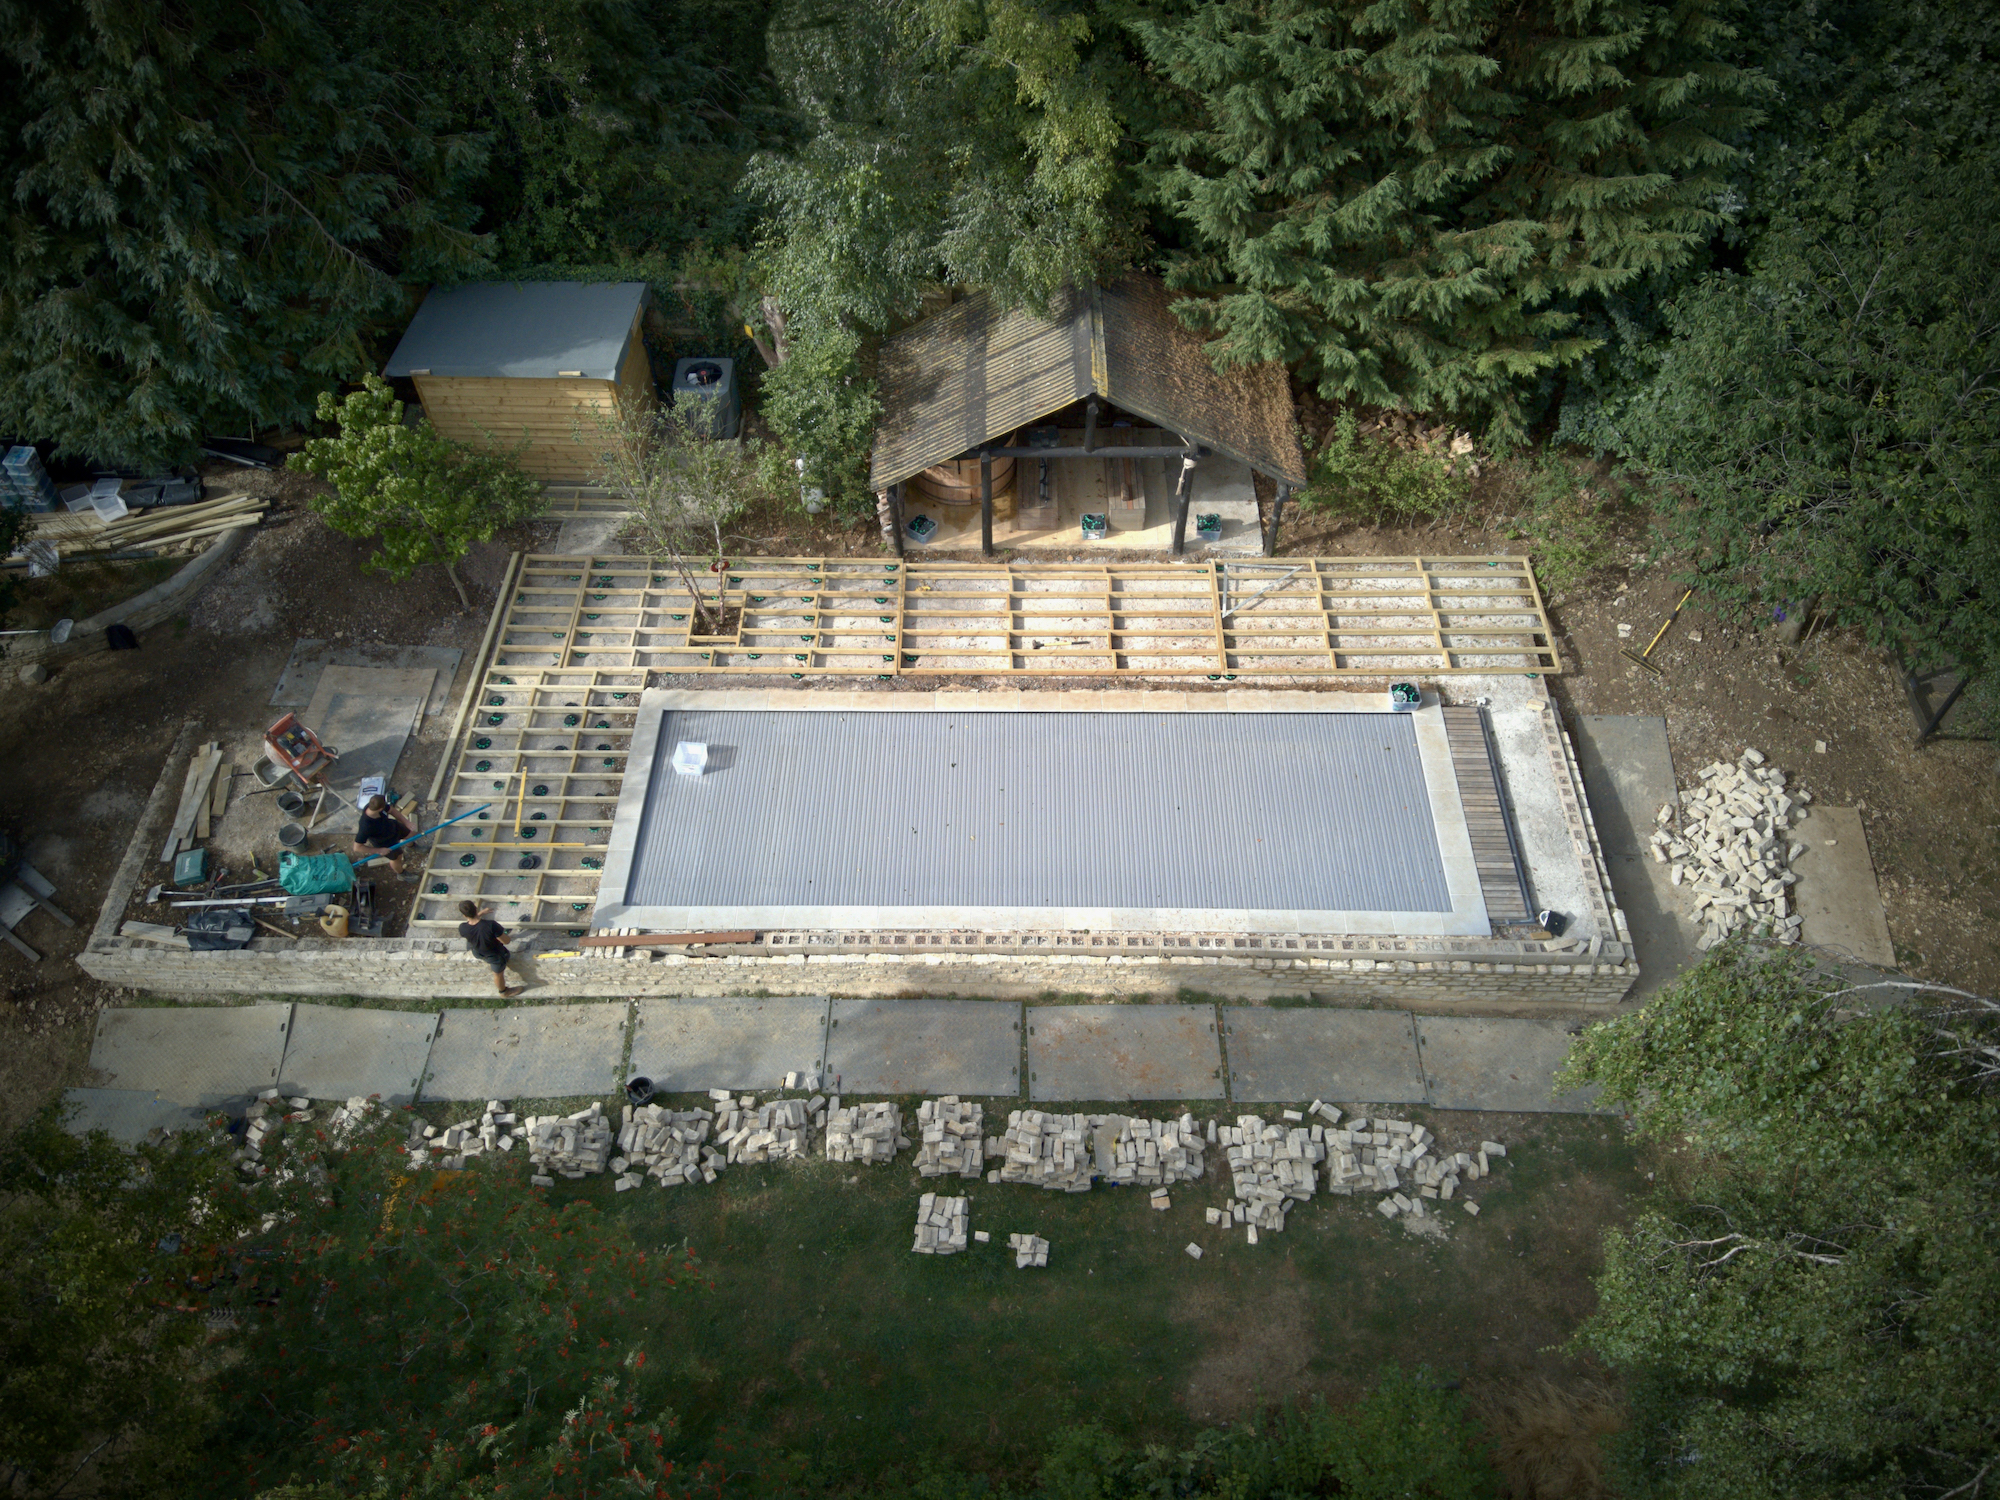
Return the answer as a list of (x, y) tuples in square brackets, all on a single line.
[(1640, 656), (58, 633), (385, 853)]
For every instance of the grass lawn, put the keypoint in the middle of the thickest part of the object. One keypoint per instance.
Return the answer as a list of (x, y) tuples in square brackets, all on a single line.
[(827, 1352)]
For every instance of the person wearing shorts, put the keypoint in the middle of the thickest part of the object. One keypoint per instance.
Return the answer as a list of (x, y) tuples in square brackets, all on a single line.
[(382, 827), (488, 939)]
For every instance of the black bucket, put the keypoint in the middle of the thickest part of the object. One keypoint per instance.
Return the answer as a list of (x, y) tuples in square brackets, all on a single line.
[(639, 1090)]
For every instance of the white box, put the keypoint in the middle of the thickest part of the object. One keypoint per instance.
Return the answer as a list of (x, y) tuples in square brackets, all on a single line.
[(690, 757)]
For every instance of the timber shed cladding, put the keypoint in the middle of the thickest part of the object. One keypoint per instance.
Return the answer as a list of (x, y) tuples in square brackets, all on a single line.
[(972, 374), (502, 362)]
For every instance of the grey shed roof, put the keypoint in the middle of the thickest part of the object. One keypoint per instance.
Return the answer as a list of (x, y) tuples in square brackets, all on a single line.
[(973, 373), (529, 330)]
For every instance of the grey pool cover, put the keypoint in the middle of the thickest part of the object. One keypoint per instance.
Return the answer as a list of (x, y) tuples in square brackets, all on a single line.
[(1211, 811)]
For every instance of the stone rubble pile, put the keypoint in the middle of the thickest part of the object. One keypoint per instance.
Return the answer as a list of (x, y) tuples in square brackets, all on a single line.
[(1436, 1179), (1029, 1250), (495, 1130), (952, 1138), (1044, 1150), (352, 1116), (1732, 851), (1368, 1156), (575, 1145), (1271, 1166), (1153, 1151), (942, 1225), (864, 1133), (669, 1146), (263, 1123)]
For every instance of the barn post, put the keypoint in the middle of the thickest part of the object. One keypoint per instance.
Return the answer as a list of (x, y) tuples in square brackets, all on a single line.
[(1183, 493), (1277, 511), (985, 504), (1090, 425)]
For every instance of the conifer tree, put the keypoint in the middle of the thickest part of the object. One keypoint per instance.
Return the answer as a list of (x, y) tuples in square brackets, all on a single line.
[(1399, 200), (211, 209)]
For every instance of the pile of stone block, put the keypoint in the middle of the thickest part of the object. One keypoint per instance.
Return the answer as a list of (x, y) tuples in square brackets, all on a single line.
[(670, 1146), (943, 1225), (1044, 1150), (1150, 1151), (452, 1146), (1732, 851), (864, 1132), (779, 1131), (1271, 1166), (263, 1123), (1029, 1250), (1370, 1156), (351, 1117), (1436, 1179), (951, 1138), (575, 1145)]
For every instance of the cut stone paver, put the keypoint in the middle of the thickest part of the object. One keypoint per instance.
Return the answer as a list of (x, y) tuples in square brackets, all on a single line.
[(207, 1056), (684, 1045), (1366, 1056), (527, 1052), (1471, 1063), (1837, 894), (129, 1115), (1628, 773), (1090, 1052), (924, 1047), (337, 1052)]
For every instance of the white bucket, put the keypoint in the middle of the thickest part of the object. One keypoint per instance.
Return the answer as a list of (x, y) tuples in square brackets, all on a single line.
[(690, 757)]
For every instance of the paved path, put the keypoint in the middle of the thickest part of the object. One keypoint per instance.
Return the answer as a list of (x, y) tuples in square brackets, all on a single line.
[(161, 1066)]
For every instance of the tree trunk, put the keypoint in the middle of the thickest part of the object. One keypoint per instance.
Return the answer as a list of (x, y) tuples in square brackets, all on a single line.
[(464, 600)]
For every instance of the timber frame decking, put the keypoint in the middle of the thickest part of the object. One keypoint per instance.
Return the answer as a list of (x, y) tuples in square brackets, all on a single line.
[(576, 640)]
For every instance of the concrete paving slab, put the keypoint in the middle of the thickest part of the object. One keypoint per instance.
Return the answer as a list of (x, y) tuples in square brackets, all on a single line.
[(129, 1116), (1837, 896), (1628, 772), (527, 1052), (211, 1056), (1092, 1052), (1358, 1056), (925, 1047), (338, 1051), (300, 679), (1471, 1063), (683, 1045), (368, 715), (1556, 875)]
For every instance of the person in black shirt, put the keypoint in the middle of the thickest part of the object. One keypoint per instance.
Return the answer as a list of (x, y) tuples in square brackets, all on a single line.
[(381, 827), (487, 938)]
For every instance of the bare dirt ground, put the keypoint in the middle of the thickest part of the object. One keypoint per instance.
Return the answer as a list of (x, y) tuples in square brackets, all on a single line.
[(84, 749)]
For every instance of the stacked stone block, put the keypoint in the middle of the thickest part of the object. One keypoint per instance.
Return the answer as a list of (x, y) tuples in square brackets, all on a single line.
[(669, 1146), (1732, 852), (1044, 1150), (950, 1138), (943, 1225), (864, 1133)]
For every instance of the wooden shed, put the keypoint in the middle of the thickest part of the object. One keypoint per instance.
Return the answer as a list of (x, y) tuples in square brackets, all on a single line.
[(496, 363)]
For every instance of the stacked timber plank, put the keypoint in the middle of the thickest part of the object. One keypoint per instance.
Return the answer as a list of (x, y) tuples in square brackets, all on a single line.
[(149, 531), (1493, 851), (201, 800)]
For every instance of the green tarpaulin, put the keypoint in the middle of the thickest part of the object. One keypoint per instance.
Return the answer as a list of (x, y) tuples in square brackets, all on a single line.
[(316, 874)]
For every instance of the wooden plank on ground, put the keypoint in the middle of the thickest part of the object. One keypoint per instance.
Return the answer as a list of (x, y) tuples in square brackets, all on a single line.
[(218, 802), (196, 784)]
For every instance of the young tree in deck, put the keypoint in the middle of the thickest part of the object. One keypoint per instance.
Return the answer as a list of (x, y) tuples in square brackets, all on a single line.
[(421, 497), (1809, 1313), (1397, 201), (682, 485)]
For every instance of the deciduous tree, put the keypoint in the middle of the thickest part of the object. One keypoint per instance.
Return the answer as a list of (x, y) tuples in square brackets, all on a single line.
[(422, 498), (1808, 1313)]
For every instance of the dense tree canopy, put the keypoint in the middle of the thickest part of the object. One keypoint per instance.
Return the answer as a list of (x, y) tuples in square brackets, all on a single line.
[(1404, 203), (1808, 1311)]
